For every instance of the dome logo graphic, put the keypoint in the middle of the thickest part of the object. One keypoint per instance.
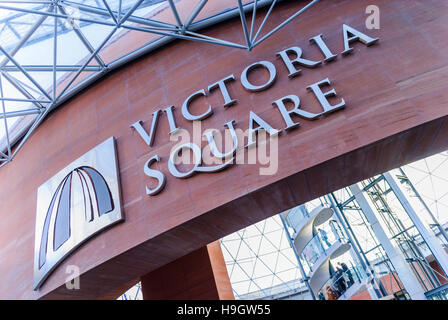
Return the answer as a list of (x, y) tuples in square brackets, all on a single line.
[(78, 202)]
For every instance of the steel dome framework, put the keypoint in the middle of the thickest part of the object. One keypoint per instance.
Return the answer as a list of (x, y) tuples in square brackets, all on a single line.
[(39, 68)]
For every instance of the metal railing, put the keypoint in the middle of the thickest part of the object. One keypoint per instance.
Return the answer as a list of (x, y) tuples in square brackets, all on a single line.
[(440, 293), (284, 289)]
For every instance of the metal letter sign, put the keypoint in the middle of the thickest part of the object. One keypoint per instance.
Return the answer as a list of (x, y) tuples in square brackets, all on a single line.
[(75, 204)]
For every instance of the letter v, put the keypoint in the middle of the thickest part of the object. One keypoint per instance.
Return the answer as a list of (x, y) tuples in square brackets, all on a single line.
[(149, 139)]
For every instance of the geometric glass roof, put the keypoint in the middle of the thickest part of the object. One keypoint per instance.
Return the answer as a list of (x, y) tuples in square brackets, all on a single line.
[(429, 177), (50, 50), (260, 261)]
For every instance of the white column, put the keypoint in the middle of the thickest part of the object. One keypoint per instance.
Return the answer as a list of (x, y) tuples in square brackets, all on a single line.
[(430, 238), (405, 273)]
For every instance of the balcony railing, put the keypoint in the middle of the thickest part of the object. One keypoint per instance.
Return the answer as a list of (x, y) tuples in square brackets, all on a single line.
[(286, 288), (319, 246), (340, 282), (296, 216), (440, 293)]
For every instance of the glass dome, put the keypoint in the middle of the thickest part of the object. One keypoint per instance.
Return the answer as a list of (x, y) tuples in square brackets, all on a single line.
[(50, 50)]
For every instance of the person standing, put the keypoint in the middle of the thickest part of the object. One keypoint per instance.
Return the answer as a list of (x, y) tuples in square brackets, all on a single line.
[(324, 237), (339, 281), (347, 271)]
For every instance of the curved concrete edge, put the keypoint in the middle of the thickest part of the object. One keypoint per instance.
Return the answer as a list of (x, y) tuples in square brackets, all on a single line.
[(321, 271), (304, 231), (355, 289)]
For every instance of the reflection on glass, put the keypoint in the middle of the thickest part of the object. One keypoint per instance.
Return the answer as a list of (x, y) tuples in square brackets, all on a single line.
[(296, 216), (340, 282), (319, 245)]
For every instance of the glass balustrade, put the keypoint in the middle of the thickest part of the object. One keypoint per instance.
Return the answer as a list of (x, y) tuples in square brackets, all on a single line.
[(340, 282), (319, 246), (296, 216), (440, 293)]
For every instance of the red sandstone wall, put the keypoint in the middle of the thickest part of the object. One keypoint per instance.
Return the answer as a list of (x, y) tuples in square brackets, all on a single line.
[(397, 106), (201, 274)]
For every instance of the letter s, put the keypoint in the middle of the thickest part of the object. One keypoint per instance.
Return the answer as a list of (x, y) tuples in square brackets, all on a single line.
[(154, 174)]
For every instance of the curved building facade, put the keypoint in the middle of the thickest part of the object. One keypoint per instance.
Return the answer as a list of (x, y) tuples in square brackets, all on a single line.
[(210, 127)]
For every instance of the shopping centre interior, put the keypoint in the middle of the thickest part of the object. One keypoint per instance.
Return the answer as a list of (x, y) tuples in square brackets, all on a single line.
[(295, 254)]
